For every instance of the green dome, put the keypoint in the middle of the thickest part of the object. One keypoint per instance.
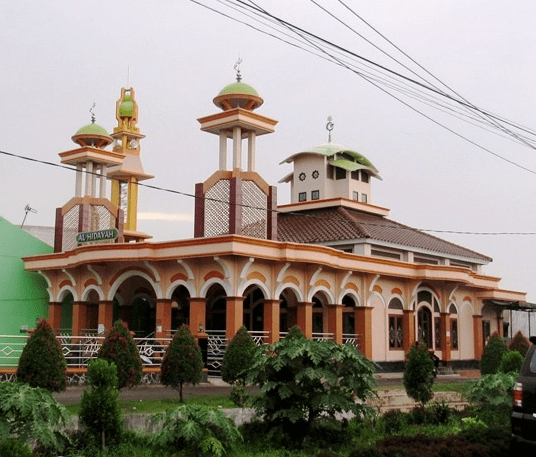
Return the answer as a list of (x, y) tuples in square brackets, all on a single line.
[(238, 88), (126, 108), (92, 129)]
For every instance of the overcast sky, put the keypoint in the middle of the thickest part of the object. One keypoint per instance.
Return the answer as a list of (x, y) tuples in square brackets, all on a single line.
[(59, 57)]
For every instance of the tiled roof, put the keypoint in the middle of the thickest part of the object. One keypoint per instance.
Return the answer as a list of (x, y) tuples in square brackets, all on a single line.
[(339, 224)]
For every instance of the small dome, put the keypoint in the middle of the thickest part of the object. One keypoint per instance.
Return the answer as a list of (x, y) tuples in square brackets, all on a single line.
[(92, 135), (238, 95), (126, 109), (91, 129)]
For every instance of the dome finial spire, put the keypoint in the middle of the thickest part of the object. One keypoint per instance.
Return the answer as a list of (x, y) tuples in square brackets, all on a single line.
[(92, 111), (237, 68), (329, 127)]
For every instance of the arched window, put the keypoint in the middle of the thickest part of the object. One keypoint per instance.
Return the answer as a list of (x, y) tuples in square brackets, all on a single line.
[(424, 326), (396, 331), (453, 326)]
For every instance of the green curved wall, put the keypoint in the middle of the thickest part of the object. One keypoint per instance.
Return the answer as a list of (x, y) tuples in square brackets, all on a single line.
[(23, 294)]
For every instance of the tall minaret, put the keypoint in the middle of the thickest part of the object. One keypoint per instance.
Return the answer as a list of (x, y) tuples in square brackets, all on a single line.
[(127, 138), (236, 201)]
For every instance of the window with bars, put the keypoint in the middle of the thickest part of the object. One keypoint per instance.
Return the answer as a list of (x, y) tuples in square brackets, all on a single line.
[(454, 333), (396, 333)]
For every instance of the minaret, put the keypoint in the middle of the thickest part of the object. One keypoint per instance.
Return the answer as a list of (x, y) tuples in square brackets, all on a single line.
[(236, 201), (90, 209), (127, 138)]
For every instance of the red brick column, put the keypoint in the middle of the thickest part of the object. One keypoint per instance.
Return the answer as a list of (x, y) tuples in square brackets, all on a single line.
[(304, 314), (335, 321), (363, 327), (234, 316), (271, 320)]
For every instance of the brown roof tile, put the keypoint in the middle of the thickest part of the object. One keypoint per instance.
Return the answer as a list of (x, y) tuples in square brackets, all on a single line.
[(339, 224)]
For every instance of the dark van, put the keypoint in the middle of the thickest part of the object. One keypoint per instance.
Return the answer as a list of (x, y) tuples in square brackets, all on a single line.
[(524, 401)]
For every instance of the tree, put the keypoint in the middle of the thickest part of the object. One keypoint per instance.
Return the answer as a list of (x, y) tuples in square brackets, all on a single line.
[(304, 381), (493, 354), (119, 347), (238, 358), (99, 409), (182, 361), (511, 362), (42, 363), (519, 343), (418, 376)]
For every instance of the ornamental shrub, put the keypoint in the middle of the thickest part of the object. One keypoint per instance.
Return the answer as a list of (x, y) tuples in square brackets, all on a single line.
[(198, 429), (305, 381), (42, 363), (119, 347), (519, 343), (511, 362), (237, 360), (493, 354), (13, 447), (183, 362), (99, 409), (419, 377)]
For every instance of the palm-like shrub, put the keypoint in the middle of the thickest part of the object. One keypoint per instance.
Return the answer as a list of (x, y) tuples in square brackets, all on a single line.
[(200, 430), (119, 347), (304, 382), (99, 409), (237, 360), (493, 354), (183, 362), (519, 343), (42, 363), (418, 376)]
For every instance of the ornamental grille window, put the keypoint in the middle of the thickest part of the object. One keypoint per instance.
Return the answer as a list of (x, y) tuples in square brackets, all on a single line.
[(70, 228), (254, 214), (217, 209), (437, 325), (454, 333), (396, 335)]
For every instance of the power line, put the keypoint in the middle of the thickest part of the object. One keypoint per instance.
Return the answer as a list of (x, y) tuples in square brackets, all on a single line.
[(301, 214)]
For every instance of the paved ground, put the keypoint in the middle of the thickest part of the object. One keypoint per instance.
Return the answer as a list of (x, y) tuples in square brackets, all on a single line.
[(218, 387)]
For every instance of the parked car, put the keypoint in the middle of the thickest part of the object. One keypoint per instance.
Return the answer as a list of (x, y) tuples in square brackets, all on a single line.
[(524, 401)]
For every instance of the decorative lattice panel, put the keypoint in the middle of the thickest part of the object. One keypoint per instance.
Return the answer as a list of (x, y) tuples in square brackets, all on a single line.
[(100, 219), (70, 228), (217, 209), (254, 215)]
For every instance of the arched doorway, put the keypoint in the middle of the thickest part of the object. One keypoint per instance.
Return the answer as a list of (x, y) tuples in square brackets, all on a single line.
[(348, 319), (424, 326), (254, 309), (180, 307), (288, 316), (216, 308)]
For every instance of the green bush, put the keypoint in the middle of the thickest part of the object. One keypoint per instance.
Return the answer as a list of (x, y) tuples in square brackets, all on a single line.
[(418, 376), (511, 362), (183, 362), (493, 354), (119, 347), (303, 381), (519, 343), (238, 358), (394, 421), (199, 430), (99, 409), (42, 363), (13, 447), (32, 415), (490, 398)]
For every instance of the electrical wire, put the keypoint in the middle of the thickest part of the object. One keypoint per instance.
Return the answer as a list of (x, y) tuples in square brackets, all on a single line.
[(301, 214)]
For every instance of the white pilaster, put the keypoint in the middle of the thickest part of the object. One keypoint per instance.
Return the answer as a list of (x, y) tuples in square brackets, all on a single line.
[(223, 150), (102, 193), (89, 178), (79, 178), (252, 137), (237, 147)]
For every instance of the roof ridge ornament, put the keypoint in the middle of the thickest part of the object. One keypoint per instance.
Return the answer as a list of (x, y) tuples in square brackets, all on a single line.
[(237, 69), (329, 127)]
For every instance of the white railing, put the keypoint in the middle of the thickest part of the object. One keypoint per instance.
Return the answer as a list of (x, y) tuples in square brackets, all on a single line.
[(259, 336), (323, 336), (79, 350)]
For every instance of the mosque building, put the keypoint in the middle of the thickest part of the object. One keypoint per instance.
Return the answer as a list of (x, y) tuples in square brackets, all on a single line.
[(330, 261)]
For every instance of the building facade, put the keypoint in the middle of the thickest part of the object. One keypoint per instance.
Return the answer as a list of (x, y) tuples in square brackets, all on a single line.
[(330, 262)]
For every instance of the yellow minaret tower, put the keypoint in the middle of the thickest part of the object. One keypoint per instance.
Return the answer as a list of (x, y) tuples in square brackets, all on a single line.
[(127, 138)]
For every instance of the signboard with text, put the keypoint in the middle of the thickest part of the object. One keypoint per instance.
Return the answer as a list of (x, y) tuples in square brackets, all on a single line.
[(99, 235)]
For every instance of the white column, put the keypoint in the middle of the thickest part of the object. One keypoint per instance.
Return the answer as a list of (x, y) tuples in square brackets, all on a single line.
[(78, 187), (94, 181), (89, 178), (251, 151), (223, 150), (102, 193), (237, 147)]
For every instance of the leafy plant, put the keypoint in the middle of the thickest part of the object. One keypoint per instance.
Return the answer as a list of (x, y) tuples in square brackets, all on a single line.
[(199, 430), (42, 363), (493, 354), (182, 361), (13, 447), (511, 362), (490, 397), (519, 343), (99, 409), (418, 377), (119, 347), (303, 381), (237, 360), (31, 414)]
